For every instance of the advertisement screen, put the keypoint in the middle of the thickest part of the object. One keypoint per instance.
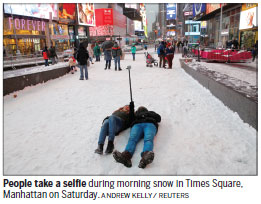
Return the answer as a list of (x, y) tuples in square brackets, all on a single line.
[(67, 11), (171, 11), (86, 14), (32, 10), (248, 19), (198, 9)]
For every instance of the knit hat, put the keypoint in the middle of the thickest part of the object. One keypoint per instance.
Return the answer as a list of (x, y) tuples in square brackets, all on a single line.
[(141, 109)]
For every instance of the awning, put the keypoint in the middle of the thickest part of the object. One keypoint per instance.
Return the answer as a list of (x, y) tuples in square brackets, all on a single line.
[(132, 14)]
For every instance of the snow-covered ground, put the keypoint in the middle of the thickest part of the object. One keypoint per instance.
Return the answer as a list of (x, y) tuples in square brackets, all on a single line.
[(52, 128)]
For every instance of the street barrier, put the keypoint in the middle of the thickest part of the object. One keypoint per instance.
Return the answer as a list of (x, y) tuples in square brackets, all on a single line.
[(224, 55)]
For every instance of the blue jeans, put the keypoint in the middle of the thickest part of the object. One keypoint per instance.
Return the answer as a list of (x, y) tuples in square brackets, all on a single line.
[(109, 127), (90, 58), (97, 58), (46, 62), (133, 55), (108, 64), (117, 61), (81, 71), (148, 130)]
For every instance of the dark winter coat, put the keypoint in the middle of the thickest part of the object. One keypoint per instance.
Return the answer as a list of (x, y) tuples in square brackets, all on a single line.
[(52, 52), (108, 54), (116, 51), (82, 56), (97, 50), (147, 117), (161, 49), (169, 50)]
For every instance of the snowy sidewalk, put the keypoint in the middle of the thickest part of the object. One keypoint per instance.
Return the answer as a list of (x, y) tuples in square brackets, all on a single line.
[(53, 128)]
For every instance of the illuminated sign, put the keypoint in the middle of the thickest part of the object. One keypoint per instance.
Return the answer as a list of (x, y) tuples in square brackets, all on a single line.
[(144, 18), (171, 11), (86, 14), (26, 24), (33, 10), (203, 24)]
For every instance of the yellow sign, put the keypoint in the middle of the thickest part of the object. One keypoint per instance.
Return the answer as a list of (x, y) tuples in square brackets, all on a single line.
[(248, 6)]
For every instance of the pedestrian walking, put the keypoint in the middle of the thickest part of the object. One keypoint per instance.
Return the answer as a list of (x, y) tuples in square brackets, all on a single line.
[(162, 54), (145, 125), (133, 51), (45, 56), (90, 52), (170, 55), (82, 57), (108, 58), (97, 52), (53, 55), (117, 53), (112, 125)]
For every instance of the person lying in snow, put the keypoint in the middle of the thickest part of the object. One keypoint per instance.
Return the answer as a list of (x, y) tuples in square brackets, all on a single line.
[(145, 125), (113, 125)]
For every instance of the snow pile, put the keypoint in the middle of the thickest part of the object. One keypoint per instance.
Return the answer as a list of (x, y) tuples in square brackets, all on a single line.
[(53, 128), (240, 79), (32, 70)]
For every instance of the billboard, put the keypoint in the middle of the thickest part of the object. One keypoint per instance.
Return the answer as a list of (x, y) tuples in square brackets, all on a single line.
[(67, 13), (212, 7), (86, 14), (171, 11), (248, 19), (198, 9), (32, 10), (104, 16), (137, 25)]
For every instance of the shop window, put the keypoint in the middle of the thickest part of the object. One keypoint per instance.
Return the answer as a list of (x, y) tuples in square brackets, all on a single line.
[(225, 23), (232, 21)]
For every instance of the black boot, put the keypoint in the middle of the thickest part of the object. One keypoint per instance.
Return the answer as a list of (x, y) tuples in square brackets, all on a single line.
[(124, 158), (109, 148), (115, 68), (147, 158), (120, 69), (99, 150)]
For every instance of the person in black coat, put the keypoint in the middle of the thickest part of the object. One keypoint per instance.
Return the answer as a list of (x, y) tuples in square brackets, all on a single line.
[(82, 56), (145, 125)]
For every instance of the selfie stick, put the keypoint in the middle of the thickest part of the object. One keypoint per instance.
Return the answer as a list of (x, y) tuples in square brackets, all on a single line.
[(129, 67)]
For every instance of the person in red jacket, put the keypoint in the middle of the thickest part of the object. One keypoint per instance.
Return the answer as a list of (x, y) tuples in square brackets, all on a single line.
[(45, 56)]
